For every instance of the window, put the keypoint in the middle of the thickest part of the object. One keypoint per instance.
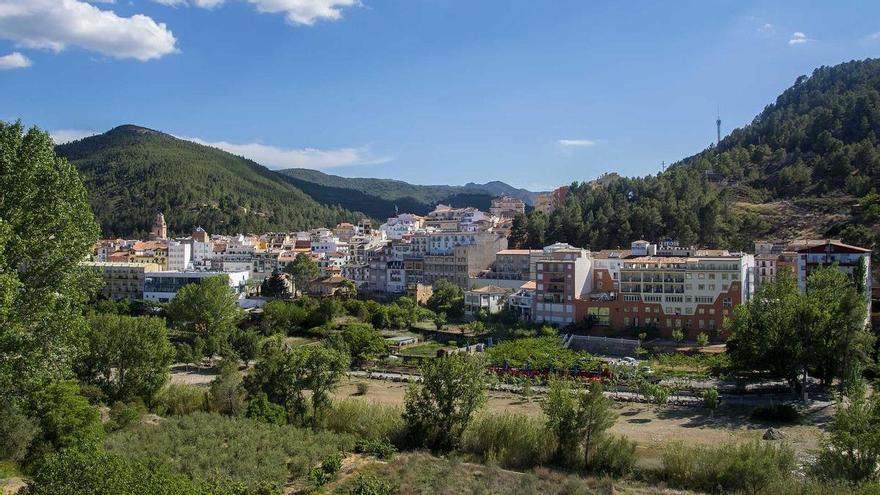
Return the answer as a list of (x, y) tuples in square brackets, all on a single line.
[(728, 303), (711, 311)]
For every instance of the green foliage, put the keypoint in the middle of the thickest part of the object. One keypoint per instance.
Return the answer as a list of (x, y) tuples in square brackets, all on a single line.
[(126, 356), (703, 339), (180, 400), (227, 395), (710, 399), (326, 472), (851, 450), (261, 409), (366, 420), (302, 271), (439, 408), (512, 440), (243, 450), (447, 298), (615, 456), (284, 373), (94, 472), (677, 335), (46, 229), (66, 420), (381, 449), (362, 388), (206, 308), (274, 286), (283, 317), (361, 341), (749, 467), (577, 417), (370, 484), (194, 185), (537, 352), (124, 414), (17, 431), (654, 392), (784, 333)]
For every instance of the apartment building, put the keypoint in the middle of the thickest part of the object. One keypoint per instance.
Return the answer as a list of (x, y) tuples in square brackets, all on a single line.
[(562, 277), (489, 299), (150, 252), (122, 280), (179, 255), (507, 207), (694, 294), (460, 260)]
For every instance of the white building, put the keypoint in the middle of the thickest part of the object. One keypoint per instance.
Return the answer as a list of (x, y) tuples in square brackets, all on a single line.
[(163, 286), (179, 255)]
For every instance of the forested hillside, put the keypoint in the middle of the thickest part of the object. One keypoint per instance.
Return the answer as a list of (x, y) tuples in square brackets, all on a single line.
[(132, 172), (805, 166)]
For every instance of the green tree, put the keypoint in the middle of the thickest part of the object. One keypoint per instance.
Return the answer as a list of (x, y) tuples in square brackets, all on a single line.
[(275, 285), (126, 356), (227, 395), (361, 341), (851, 450), (438, 409), (43, 288), (66, 420), (303, 270), (440, 321), (207, 308), (447, 298), (282, 317), (284, 373), (578, 416), (519, 232)]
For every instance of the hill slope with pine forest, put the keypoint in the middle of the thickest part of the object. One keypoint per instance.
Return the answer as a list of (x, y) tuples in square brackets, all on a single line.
[(807, 165), (132, 172)]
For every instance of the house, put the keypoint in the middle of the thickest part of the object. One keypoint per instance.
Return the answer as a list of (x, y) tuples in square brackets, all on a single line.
[(489, 299), (329, 286)]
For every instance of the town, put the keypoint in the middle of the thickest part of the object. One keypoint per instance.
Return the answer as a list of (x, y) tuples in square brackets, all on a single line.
[(659, 285)]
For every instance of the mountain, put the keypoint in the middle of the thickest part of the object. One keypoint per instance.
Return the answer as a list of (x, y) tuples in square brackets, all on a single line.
[(132, 172), (380, 198), (498, 188), (806, 166)]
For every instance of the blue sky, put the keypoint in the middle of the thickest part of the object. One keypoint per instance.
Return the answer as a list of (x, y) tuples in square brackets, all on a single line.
[(537, 94)]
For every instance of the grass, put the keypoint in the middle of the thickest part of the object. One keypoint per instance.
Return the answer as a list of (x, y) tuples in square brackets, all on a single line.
[(425, 350), (244, 450), (366, 420), (512, 440)]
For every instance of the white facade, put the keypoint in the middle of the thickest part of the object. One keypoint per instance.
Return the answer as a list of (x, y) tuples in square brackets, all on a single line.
[(179, 256), (163, 286)]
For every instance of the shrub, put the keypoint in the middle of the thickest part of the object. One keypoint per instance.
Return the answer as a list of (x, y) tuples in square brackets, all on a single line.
[(261, 409), (780, 413), (365, 420), (654, 393), (677, 335), (17, 431), (615, 456), (710, 399), (703, 339), (377, 448), (226, 394), (178, 400), (362, 388), (734, 467), (244, 450), (326, 472), (512, 440), (370, 484), (124, 414)]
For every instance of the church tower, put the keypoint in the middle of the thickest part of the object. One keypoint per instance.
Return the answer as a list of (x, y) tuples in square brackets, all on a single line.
[(160, 228)]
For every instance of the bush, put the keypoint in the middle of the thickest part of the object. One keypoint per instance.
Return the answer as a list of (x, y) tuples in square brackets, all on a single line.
[(362, 388), (370, 484), (17, 431), (615, 456), (326, 472), (178, 400), (377, 448), (654, 393), (243, 450), (512, 440), (261, 409), (735, 467), (710, 399), (366, 421), (124, 414), (778, 413)]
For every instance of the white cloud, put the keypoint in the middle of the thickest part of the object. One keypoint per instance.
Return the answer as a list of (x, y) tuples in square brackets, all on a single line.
[(62, 136), (767, 28), (279, 158), (874, 36), (798, 38), (57, 24), (14, 60), (301, 12), (569, 143)]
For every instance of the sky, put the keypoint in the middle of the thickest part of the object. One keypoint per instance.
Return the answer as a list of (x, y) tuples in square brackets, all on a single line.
[(536, 94)]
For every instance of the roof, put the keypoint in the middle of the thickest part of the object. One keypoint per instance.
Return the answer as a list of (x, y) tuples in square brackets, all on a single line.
[(146, 245), (489, 289), (810, 244), (612, 253), (530, 285), (518, 251)]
